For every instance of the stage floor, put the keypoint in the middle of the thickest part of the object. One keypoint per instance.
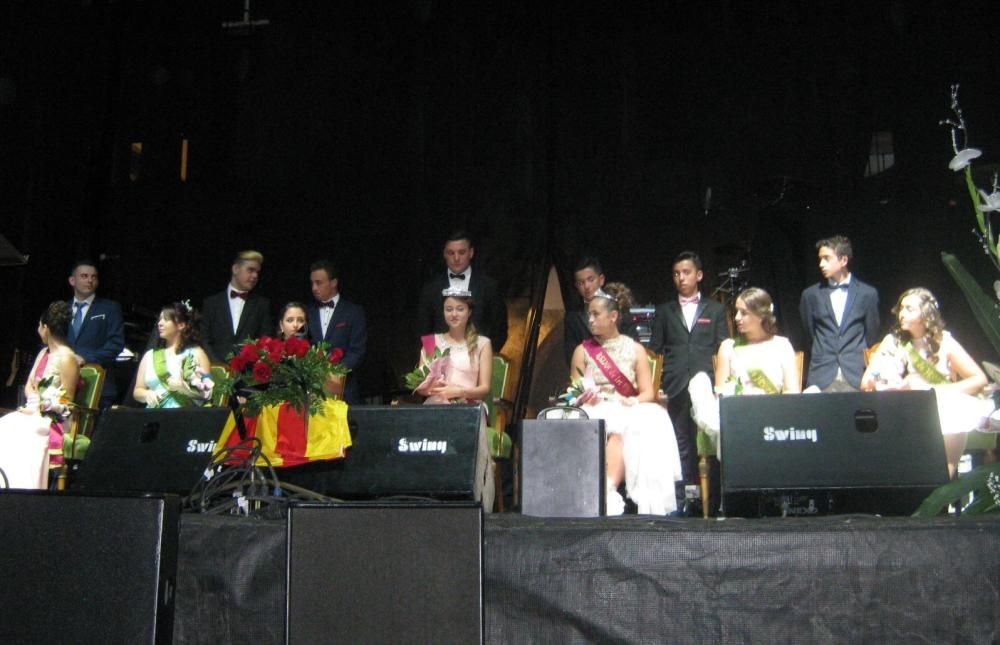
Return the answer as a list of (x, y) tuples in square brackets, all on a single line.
[(846, 578)]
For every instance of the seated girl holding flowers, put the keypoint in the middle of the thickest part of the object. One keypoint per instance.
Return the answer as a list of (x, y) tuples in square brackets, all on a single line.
[(618, 387), (457, 367), (30, 434), (919, 355), (176, 374)]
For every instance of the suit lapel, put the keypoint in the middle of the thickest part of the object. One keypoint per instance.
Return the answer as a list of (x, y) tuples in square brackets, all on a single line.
[(852, 295), (248, 307), (675, 309), (315, 324), (338, 313), (86, 317)]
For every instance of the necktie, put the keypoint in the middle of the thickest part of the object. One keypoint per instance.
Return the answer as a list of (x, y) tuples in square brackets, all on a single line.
[(328, 303), (693, 300), (238, 294), (78, 316), (457, 276)]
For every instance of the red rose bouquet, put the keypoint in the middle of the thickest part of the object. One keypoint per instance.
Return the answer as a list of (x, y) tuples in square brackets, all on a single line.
[(283, 371)]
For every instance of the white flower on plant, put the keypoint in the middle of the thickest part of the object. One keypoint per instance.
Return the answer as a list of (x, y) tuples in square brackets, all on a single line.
[(964, 158), (991, 202)]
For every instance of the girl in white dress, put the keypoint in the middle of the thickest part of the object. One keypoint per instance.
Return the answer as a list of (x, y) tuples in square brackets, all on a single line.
[(920, 355), (641, 447), (758, 361)]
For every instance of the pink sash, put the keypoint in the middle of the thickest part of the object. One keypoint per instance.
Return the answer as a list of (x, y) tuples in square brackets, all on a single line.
[(622, 385)]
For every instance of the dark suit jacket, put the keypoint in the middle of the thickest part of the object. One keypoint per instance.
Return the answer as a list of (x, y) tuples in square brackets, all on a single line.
[(101, 340), (348, 330), (218, 339), (489, 313), (685, 353), (841, 346)]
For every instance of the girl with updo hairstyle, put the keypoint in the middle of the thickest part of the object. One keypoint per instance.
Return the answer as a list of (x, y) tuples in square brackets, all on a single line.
[(31, 438), (757, 361), (617, 386), (176, 373), (919, 354)]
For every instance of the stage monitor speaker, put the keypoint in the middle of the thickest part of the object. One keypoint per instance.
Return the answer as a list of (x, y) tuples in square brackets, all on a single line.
[(810, 454), (150, 451), (385, 573), (87, 569), (562, 467), (430, 451)]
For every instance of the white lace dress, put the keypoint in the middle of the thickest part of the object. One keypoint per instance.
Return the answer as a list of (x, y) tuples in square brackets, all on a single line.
[(652, 462)]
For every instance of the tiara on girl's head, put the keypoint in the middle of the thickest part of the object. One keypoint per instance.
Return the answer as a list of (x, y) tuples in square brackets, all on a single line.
[(455, 292), (601, 293)]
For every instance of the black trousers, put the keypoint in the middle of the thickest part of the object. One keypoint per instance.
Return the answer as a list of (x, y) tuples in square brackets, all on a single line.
[(685, 430)]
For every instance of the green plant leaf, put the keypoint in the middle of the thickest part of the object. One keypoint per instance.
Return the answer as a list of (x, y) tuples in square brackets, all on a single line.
[(983, 305), (971, 482)]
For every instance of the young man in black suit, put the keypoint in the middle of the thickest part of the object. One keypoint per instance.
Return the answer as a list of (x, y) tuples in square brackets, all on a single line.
[(97, 330), (236, 313), (687, 331), (490, 311), (338, 322), (840, 317), (588, 277)]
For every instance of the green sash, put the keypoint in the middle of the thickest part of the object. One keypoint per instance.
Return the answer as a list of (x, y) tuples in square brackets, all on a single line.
[(760, 379), (162, 373), (923, 367)]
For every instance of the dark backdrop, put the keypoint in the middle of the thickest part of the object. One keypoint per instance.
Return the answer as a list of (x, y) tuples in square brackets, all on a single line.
[(364, 131)]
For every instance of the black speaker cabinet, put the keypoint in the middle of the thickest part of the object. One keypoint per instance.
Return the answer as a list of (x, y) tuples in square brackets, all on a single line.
[(385, 573), (562, 467), (845, 452), (87, 569), (415, 450), (150, 450)]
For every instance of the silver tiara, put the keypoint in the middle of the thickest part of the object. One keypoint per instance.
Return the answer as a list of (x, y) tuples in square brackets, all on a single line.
[(455, 292), (601, 293)]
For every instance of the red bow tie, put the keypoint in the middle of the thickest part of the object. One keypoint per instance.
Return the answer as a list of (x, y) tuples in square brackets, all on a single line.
[(238, 294), (693, 300)]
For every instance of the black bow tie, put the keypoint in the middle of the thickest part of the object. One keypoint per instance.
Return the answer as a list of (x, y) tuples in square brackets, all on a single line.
[(238, 294), (328, 303), (842, 285), (457, 276)]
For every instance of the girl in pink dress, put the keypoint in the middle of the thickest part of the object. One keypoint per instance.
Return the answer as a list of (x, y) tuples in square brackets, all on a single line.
[(465, 375), (28, 435)]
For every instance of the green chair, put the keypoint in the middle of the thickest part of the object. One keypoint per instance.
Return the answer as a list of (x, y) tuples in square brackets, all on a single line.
[(76, 439), (219, 371), (498, 408)]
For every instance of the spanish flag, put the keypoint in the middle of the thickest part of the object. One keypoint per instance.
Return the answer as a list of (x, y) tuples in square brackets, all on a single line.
[(288, 441)]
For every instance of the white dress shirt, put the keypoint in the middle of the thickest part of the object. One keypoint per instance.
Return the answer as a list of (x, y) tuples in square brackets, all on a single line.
[(326, 314)]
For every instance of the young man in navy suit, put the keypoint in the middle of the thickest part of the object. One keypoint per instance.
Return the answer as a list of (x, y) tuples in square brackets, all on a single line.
[(337, 322), (236, 313), (490, 311), (687, 331), (96, 330), (840, 316)]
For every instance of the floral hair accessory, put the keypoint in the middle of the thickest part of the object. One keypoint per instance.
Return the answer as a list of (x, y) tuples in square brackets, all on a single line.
[(455, 292), (187, 305)]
